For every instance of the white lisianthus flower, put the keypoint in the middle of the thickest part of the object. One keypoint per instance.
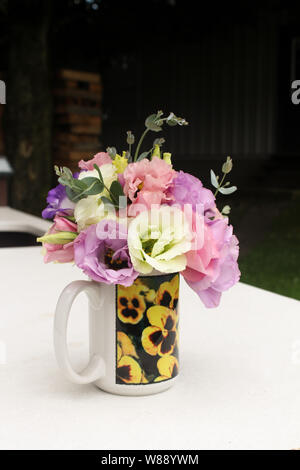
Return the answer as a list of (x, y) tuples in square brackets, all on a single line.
[(108, 171), (158, 239), (91, 210)]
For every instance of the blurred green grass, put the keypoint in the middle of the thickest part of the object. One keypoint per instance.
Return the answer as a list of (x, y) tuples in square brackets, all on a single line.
[(274, 263)]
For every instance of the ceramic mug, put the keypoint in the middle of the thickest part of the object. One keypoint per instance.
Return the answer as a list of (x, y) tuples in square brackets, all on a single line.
[(133, 334)]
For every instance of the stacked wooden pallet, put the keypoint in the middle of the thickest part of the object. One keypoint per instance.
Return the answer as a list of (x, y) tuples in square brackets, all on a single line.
[(77, 119)]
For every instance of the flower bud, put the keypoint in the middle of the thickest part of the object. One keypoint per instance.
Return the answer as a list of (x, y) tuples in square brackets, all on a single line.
[(227, 166), (59, 238), (167, 157), (156, 151)]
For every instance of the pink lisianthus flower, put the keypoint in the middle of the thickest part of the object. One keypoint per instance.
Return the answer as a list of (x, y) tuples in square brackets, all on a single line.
[(62, 253), (99, 159), (147, 182), (213, 268)]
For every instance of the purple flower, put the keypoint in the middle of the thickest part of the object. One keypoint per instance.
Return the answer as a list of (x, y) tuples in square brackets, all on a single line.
[(101, 251), (58, 203), (187, 189)]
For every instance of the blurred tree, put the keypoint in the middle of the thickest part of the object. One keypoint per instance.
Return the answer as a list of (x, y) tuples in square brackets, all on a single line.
[(28, 111)]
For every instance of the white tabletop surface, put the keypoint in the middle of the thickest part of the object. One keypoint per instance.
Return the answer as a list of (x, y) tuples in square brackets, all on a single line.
[(12, 220), (239, 385)]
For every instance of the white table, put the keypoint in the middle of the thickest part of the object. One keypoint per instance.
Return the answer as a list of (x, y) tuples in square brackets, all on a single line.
[(239, 385), (12, 220)]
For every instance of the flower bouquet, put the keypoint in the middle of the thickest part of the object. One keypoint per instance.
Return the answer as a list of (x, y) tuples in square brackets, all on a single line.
[(123, 218)]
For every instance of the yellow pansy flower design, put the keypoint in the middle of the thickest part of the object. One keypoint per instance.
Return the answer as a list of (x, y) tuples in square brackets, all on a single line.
[(167, 367), (144, 290), (167, 294), (131, 304), (128, 369), (160, 338), (125, 345)]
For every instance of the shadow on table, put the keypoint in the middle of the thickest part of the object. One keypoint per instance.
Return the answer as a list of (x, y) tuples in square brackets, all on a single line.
[(17, 239)]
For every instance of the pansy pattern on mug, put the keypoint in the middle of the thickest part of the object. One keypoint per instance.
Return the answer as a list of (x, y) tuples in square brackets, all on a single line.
[(147, 330)]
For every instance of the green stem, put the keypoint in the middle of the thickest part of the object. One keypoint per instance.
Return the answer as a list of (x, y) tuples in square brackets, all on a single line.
[(220, 185), (139, 144)]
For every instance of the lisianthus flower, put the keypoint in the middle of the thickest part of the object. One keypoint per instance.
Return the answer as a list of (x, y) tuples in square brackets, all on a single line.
[(146, 182), (99, 159), (187, 189), (108, 171), (158, 239), (62, 250), (214, 268), (101, 251), (58, 203), (91, 210)]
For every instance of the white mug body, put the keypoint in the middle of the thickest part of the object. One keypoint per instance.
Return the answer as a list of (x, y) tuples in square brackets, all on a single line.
[(133, 334)]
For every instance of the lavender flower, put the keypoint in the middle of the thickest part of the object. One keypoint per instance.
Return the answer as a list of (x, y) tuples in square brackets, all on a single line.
[(58, 203), (187, 189), (101, 251)]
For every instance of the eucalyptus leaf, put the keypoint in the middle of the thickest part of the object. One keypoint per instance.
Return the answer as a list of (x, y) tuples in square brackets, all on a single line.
[(151, 124), (71, 194), (228, 190), (62, 180), (171, 122), (67, 172), (116, 190), (107, 201), (213, 179), (226, 210), (93, 186), (99, 172), (78, 185)]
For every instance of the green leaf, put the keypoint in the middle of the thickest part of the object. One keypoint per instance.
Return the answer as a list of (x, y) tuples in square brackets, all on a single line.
[(93, 186), (99, 172), (171, 123), (107, 201), (226, 210), (228, 190), (213, 179), (71, 194), (116, 190), (62, 180), (67, 172), (151, 124), (78, 185)]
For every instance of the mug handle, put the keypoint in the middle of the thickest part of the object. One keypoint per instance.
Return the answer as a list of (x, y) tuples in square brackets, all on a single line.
[(96, 366)]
